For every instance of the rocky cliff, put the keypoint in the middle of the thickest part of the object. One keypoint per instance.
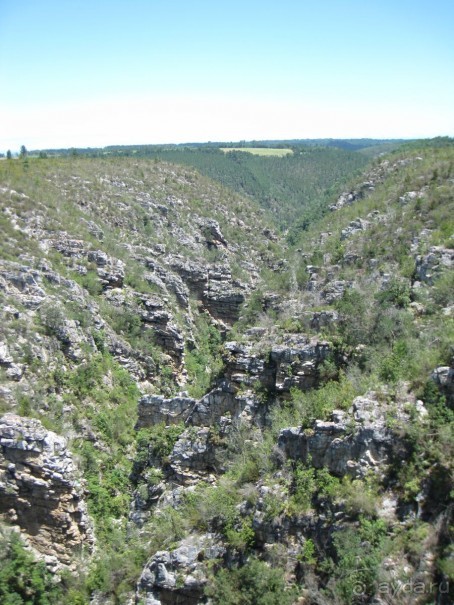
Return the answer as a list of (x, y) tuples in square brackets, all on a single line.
[(41, 489)]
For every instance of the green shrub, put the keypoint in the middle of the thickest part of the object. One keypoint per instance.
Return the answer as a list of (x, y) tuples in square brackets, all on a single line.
[(354, 317), (157, 441), (303, 489), (255, 583), (24, 581), (392, 367), (90, 281), (203, 362), (241, 536), (305, 407), (308, 552), (397, 293), (52, 317), (359, 555), (443, 288)]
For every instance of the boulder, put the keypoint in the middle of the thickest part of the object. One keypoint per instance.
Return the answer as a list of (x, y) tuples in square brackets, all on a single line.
[(353, 227), (444, 379), (179, 576), (431, 264)]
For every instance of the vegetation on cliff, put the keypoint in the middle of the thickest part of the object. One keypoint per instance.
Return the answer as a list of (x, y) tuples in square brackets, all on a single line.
[(296, 394)]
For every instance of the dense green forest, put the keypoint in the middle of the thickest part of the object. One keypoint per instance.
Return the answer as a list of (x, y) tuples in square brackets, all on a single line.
[(284, 186)]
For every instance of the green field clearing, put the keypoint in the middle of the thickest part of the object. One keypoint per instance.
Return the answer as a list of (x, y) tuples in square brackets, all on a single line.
[(259, 150)]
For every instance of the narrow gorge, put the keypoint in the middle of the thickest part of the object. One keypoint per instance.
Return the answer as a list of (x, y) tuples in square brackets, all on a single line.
[(201, 406)]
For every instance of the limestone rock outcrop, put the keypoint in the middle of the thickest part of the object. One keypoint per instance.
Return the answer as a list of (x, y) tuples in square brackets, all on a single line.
[(40, 489), (220, 294), (443, 377), (179, 576), (294, 363), (431, 264), (351, 442)]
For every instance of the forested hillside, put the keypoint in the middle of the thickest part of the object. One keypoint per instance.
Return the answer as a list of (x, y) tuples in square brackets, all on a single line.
[(197, 408), (295, 187)]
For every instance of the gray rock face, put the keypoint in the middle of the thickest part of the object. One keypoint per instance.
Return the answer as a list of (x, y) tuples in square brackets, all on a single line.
[(14, 371), (334, 290), (40, 489), (22, 282), (193, 453), (167, 280), (212, 233), (351, 443), (409, 196), (207, 411), (297, 363), (322, 319), (428, 265), (73, 339), (94, 229), (220, 295), (111, 272), (354, 227), (179, 576), (155, 409), (225, 400), (72, 248), (444, 378), (223, 299), (154, 313), (293, 363)]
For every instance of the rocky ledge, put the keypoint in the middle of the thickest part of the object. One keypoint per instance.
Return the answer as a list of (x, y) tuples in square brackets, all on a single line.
[(351, 443)]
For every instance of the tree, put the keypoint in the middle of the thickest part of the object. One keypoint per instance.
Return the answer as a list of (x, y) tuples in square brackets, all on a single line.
[(23, 151), (8, 154)]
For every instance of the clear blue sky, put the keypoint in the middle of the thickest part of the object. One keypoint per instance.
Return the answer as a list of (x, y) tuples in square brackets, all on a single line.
[(100, 72)]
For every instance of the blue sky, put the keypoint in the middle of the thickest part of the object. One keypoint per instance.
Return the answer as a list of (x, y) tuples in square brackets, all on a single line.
[(98, 72)]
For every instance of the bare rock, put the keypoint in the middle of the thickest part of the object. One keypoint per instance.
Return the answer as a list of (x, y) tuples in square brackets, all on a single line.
[(73, 338), (5, 357), (444, 379), (431, 264), (334, 290), (179, 576), (192, 454), (155, 409), (23, 283), (220, 295), (409, 196), (212, 233), (354, 227), (40, 488), (293, 363), (167, 280), (322, 319), (351, 443)]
